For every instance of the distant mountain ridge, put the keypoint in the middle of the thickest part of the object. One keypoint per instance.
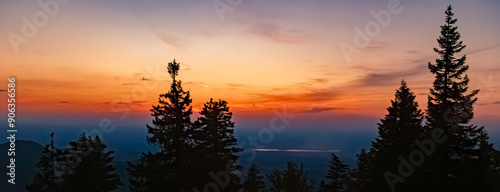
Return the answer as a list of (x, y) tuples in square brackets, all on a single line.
[(27, 153)]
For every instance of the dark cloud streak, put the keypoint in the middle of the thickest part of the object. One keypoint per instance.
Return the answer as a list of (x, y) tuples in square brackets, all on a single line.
[(322, 109)]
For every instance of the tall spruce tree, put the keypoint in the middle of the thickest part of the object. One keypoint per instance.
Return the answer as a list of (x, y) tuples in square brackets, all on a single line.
[(254, 181), (338, 177), (397, 134), (46, 181), (457, 162), (172, 117), (91, 167), (291, 179), (172, 133), (215, 141)]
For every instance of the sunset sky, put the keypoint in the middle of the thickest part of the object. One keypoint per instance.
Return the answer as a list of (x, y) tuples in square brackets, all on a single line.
[(100, 58)]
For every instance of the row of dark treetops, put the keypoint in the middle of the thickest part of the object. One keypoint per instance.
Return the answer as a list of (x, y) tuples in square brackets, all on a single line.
[(443, 153)]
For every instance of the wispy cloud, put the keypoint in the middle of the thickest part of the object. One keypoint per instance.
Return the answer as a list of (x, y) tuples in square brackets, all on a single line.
[(310, 96), (492, 103), (277, 32), (375, 45), (167, 36), (126, 103), (187, 67), (320, 80), (481, 49), (200, 83), (235, 85), (384, 77), (130, 84), (170, 39), (321, 109)]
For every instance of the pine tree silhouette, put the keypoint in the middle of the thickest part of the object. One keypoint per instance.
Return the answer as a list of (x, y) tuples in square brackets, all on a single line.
[(291, 179), (455, 165), (254, 181), (173, 167), (338, 177), (396, 135), (172, 123), (46, 181), (215, 141), (92, 169)]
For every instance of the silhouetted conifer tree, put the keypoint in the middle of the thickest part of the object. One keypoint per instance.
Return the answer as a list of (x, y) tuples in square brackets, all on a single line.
[(291, 179), (459, 161), (91, 167), (215, 142), (172, 121), (254, 181), (337, 178), (46, 181), (172, 132), (397, 134)]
